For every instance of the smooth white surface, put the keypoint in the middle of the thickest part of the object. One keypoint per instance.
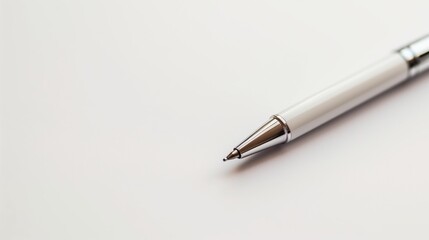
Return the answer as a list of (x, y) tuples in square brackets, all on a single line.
[(345, 95), (115, 117)]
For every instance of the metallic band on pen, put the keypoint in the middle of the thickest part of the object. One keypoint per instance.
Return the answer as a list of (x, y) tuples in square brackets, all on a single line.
[(284, 125), (416, 54)]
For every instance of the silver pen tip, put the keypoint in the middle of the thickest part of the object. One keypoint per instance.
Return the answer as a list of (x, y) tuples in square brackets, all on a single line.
[(234, 154)]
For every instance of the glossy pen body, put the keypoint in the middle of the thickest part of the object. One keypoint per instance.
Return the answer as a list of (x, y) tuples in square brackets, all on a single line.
[(337, 99)]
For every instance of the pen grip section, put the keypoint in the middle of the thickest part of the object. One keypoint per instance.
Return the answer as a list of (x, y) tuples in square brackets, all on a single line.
[(345, 95)]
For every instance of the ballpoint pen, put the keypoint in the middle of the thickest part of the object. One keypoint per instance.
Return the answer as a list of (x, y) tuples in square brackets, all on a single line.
[(314, 111)]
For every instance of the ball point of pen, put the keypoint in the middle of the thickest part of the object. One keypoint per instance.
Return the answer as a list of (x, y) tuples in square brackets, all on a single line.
[(232, 155)]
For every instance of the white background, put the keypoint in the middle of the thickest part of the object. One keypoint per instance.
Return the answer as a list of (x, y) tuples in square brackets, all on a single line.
[(115, 117)]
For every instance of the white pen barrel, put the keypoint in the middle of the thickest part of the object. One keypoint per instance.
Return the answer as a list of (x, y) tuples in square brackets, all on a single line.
[(303, 117), (343, 96)]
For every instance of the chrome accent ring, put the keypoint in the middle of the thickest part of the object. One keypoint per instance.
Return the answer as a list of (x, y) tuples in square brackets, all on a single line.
[(416, 55), (412, 60), (284, 125)]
